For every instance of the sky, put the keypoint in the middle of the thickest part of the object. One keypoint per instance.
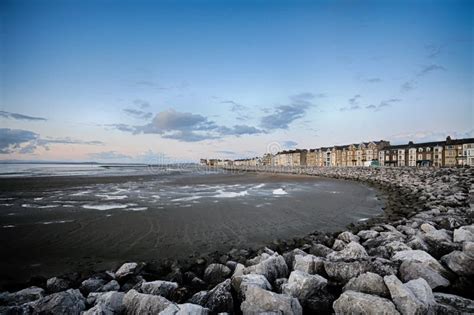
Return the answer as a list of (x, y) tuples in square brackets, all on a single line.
[(170, 81)]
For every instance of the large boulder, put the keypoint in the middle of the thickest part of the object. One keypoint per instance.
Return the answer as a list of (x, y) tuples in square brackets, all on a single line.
[(252, 280), (320, 250), (258, 301), (419, 256), (112, 285), (412, 269), (353, 250), (344, 271), (348, 237), (56, 284), (464, 234), (136, 303), (23, 296), (158, 287), (453, 304), (351, 302), (108, 303), (185, 309), (290, 256), (459, 262), (216, 273), (423, 292), (92, 285), (217, 300), (302, 285), (308, 263), (126, 270), (272, 268), (367, 234), (404, 299), (370, 283), (70, 302)]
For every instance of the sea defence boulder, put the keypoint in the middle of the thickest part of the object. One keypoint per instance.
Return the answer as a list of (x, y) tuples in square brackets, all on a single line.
[(258, 301), (272, 268), (70, 302), (351, 302), (136, 303)]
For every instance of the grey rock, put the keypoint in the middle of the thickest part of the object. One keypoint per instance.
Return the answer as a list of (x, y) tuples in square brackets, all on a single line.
[(185, 309), (338, 245), (412, 269), (136, 303), (370, 283), (348, 237), (216, 273), (92, 285), (272, 268), (367, 234), (353, 250), (404, 299), (290, 256), (112, 285), (279, 284), (56, 284), (351, 302), (259, 301), (127, 269), (252, 279), (423, 292), (219, 299), (464, 234), (453, 304), (108, 303), (158, 287), (384, 267), (459, 262), (23, 296), (420, 256), (302, 285), (344, 271), (320, 250), (308, 263), (70, 302)]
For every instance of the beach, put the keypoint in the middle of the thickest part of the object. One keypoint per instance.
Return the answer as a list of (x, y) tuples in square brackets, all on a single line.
[(53, 225)]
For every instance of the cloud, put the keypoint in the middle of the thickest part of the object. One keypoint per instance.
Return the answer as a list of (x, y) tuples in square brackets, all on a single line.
[(354, 102), (25, 141), (136, 113), (16, 116), (239, 109), (426, 136), (372, 106), (141, 103), (433, 50), (280, 117), (430, 68), (383, 104), (288, 144), (355, 99), (408, 86), (122, 127), (109, 155), (374, 80), (12, 140)]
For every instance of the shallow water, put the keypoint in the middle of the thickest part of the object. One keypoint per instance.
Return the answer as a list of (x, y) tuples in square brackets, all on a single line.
[(55, 225)]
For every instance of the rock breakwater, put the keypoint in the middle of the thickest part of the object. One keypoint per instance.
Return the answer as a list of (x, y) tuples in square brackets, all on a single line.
[(418, 258)]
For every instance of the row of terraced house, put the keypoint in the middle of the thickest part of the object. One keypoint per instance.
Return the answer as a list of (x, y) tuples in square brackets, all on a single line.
[(448, 153)]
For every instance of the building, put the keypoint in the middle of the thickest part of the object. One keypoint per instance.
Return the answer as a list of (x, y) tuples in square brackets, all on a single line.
[(468, 152)]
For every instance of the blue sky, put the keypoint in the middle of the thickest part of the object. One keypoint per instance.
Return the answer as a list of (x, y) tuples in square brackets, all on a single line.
[(133, 80)]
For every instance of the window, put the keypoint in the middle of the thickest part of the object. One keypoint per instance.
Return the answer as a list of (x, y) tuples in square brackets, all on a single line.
[(420, 157), (428, 149), (420, 149)]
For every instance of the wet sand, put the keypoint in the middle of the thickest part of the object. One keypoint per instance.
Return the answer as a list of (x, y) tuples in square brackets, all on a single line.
[(39, 239)]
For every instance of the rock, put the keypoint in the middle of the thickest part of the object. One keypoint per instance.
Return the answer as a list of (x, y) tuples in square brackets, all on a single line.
[(290, 256), (108, 303), (464, 234), (112, 285), (384, 267), (396, 246), (70, 302), (420, 256), (272, 268), (185, 309), (453, 304), (320, 250), (217, 300), (56, 284), (136, 303), (427, 228), (370, 283), (344, 271), (351, 302), (308, 263), (216, 273), (367, 234), (279, 284), (423, 292), (258, 301), (127, 269), (412, 269), (231, 265), (348, 237), (252, 279), (23, 296), (459, 262), (353, 250), (163, 288), (257, 259), (404, 299), (92, 285), (338, 245), (302, 285)]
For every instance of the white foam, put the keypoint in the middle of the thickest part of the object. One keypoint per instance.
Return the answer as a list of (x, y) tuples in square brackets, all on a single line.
[(2, 199), (109, 206), (81, 193), (230, 194), (38, 198), (137, 209), (6, 204), (68, 206), (191, 198), (258, 186), (48, 206), (56, 222), (363, 219), (8, 226), (109, 197), (279, 191), (155, 196)]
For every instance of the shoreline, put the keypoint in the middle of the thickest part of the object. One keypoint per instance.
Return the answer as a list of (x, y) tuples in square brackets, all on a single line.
[(427, 210)]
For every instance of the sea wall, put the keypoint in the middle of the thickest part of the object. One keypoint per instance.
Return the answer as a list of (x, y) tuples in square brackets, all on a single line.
[(418, 258)]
